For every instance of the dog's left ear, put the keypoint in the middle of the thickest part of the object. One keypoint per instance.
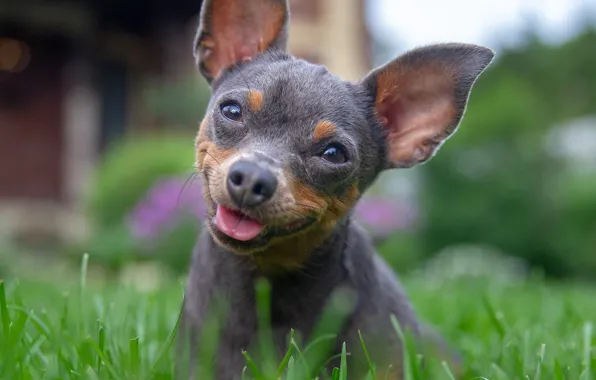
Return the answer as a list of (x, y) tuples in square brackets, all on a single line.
[(231, 31), (421, 96)]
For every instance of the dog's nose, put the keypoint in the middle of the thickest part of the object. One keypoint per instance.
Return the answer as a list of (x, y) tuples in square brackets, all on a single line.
[(249, 184)]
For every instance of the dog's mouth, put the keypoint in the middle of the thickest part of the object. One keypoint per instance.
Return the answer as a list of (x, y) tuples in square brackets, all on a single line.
[(237, 225), (242, 233), (245, 234)]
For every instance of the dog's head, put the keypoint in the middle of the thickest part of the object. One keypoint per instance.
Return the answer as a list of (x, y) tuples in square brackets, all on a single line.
[(286, 148)]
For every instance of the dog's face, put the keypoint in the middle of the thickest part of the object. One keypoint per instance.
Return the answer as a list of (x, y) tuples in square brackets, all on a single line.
[(286, 148)]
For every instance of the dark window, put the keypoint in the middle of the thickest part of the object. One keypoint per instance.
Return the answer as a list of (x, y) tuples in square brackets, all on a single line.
[(113, 84)]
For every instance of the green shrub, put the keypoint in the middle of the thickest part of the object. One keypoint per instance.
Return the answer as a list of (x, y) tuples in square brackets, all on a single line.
[(576, 224), (112, 247), (497, 183), (174, 248), (179, 104), (130, 168), (402, 251)]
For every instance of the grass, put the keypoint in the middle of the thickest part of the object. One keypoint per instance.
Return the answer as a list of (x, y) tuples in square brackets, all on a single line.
[(526, 330)]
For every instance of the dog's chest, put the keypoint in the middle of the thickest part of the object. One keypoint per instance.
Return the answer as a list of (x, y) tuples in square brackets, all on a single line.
[(294, 306)]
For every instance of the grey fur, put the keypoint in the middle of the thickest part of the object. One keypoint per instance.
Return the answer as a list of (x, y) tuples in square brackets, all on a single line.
[(297, 95), (346, 260)]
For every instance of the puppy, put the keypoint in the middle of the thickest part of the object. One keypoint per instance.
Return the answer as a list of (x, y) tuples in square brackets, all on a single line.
[(285, 151)]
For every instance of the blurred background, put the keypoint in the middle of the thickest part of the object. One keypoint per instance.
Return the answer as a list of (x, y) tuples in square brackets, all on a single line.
[(100, 101)]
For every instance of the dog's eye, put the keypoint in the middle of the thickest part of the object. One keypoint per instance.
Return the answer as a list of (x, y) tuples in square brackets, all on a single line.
[(231, 111), (334, 154)]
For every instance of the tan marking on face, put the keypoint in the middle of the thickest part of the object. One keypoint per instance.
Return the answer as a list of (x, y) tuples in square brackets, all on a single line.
[(255, 100), (207, 152), (212, 162), (292, 252), (200, 139), (324, 129)]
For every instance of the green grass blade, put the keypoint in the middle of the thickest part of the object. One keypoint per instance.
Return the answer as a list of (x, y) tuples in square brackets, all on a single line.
[(35, 320), (291, 373), (494, 316), (450, 374), (267, 347), (134, 356), (167, 346), (343, 366), (285, 362), (252, 366), (371, 367), (540, 363), (105, 359), (336, 374), (91, 375), (500, 374), (323, 339), (82, 320), (4, 310), (407, 361), (101, 339), (587, 354), (305, 368)]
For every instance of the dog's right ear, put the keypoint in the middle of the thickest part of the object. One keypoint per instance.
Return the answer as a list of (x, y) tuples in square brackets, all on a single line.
[(420, 98), (231, 31)]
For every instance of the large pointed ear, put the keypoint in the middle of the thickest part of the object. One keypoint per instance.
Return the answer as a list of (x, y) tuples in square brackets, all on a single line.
[(421, 96), (237, 30)]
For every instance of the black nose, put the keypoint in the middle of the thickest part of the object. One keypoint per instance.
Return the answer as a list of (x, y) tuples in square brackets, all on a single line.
[(249, 184)]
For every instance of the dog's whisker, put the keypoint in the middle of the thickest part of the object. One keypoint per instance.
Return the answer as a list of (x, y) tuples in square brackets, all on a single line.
[(189, 179), (305, 206), (214, 159)]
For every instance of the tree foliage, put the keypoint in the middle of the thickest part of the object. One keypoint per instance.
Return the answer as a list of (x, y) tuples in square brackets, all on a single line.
[(496, 183)]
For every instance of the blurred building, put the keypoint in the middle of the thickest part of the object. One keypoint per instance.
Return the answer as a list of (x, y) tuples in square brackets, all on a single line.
[(71, 77), (334, 33)]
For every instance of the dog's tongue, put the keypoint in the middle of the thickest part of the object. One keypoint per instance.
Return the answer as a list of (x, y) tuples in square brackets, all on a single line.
[(236, 225)]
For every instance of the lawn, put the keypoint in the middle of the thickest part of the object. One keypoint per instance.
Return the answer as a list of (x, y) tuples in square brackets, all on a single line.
[(527, 329)]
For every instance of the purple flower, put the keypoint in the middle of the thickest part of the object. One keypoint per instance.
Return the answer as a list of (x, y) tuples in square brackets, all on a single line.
[(163, 207), (383, 216)]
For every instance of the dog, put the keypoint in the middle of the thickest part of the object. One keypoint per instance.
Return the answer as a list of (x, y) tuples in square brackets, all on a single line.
[(284, 152)]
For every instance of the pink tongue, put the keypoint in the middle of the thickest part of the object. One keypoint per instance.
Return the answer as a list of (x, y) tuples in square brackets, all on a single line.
[(235, 225)]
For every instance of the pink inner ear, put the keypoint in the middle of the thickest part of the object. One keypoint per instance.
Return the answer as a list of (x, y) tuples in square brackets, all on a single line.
[(241, 31), (416, 106)]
